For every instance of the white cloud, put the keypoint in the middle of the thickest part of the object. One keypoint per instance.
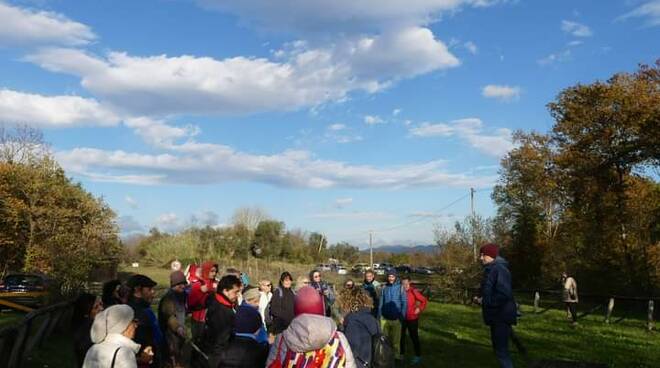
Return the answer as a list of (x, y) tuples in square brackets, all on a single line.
[(299, 76), (501, 92), (205, 218), (574, 43), (558, 57), (650, 10), (471, 47), (471, 131), (53, 111), (168, 222), (337, 127), (347, 16), (373, 119), (343, 202), (396, 112), (131, 202), (128, 225), (158, 133), (576, 29), (19, 26), (205, 163)]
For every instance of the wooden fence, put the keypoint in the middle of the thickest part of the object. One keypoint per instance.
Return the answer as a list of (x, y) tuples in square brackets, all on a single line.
[(18, 341)]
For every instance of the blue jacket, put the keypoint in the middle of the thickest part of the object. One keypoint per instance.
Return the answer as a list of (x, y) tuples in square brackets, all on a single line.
[(359, 328), (497, 303), (393, 302)]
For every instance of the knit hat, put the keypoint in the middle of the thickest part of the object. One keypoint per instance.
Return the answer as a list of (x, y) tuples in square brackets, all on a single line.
[(177, 277), (140, 281), (309, 301), (251, 294), (247, 320), (113, 320), (489, 249), (391, 271)]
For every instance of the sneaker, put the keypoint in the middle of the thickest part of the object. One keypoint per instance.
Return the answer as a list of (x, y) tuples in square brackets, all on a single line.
[(416, 360)]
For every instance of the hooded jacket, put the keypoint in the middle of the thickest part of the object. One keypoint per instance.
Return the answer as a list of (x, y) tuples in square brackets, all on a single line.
[(100, 355), (281, 309), (309, 332), (243, 351), (393, 302), (359, 328), (219, 323), (497, 303), (197, 298)]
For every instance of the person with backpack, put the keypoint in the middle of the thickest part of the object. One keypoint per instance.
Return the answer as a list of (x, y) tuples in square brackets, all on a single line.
[(372, 286), (497, 303), (201, 287), (323, 289), (360, 326), (280, 311), (392, 309), (244, 349), (220, 316), (312, 339), (112, 333), (416, 305)]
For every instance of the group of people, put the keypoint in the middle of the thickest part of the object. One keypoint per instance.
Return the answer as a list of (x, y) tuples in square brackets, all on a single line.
[(235, 324)]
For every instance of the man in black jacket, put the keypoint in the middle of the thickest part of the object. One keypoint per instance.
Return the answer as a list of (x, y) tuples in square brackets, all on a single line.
[(498, 306), (148, 333), (220, 314), (244, 351)]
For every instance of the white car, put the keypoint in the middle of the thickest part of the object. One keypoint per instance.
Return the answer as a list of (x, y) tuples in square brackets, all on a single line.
[(380, 271), (341, 270)]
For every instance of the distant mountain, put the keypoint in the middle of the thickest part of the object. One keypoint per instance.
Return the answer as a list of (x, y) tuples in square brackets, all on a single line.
[(398, 249)]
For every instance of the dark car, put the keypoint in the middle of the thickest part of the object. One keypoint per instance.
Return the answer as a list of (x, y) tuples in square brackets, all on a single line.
[(29, 289), (403, 269), (424, 271)]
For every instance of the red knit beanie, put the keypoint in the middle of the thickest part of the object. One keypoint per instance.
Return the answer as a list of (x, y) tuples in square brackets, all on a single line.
[(309, 301), (489, 249)]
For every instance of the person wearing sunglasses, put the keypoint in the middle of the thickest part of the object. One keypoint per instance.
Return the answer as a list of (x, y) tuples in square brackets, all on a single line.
[(265, 294)]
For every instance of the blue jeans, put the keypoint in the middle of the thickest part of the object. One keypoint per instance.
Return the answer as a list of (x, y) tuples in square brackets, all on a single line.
[(499, 336)]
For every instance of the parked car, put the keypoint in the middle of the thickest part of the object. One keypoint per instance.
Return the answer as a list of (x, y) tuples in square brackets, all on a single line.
[(360, 268), (341, 270), (379, 271), (323, 267), (29, 289), (424, 271), (403, 269)]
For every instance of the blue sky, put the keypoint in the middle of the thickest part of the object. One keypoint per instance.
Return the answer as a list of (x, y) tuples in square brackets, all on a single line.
[(333, 116)]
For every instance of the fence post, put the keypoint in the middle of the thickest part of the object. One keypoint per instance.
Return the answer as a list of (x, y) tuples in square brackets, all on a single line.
[(537, 300), (650, 324), (610, 308)]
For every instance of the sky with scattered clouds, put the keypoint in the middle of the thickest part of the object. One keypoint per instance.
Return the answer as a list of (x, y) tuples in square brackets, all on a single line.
[(333, 116)]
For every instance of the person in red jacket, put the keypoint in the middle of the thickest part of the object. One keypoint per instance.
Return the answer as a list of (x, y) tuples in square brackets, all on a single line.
[(416, 305), (199, 291)]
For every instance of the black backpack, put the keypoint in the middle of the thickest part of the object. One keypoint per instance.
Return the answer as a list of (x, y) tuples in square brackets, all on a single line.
[(268, 316), (382, 352)]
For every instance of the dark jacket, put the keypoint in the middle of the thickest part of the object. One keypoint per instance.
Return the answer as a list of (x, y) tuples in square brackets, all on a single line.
[(497, 303), (171, 317), (148, 332), (281, 308), (220, 314), (243, 352), (373, 289), (359, 328), (393, 302), (82, 339)]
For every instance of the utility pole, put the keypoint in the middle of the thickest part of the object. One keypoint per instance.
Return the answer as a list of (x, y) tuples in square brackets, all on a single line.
[(371, 250), (474, 242)]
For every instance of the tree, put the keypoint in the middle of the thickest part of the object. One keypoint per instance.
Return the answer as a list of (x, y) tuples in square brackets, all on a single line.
[(344, 252), (250, 217), (268, 237), (317, 244)]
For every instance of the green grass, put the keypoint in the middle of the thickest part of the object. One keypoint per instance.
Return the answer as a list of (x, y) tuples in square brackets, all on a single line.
[(454, 335)]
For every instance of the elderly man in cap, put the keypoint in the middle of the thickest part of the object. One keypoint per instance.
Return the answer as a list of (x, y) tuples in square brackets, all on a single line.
[(148, 333), (172, 320), (498, 306)]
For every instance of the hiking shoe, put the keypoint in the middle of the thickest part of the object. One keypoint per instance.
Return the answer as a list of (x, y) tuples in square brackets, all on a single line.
[(416, 360)]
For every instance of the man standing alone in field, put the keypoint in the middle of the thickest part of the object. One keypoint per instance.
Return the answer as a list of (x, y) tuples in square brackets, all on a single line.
[(570, 296), (498, 306)]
